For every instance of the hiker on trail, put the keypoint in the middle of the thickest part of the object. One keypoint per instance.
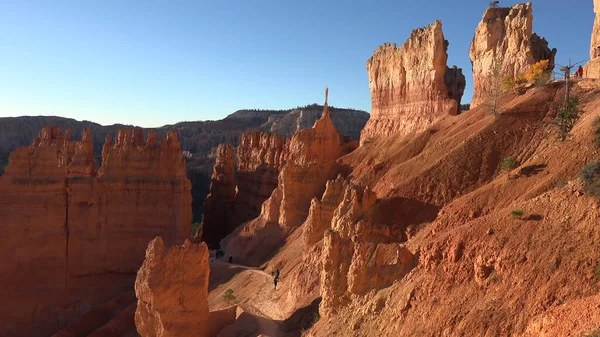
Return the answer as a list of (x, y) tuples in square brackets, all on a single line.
[(230, 259), (579, 72)]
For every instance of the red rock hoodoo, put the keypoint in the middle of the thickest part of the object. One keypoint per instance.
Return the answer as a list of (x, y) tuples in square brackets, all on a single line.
[(505, 34), (408, 87), (259, 159), (219, 203), (172, 292), (77, 234), (309, 158)]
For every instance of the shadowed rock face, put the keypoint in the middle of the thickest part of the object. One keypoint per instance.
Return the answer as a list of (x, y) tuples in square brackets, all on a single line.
[(505, 32), (408, 87), (237, 195), (456, 83), (219, 203), (78, 234)]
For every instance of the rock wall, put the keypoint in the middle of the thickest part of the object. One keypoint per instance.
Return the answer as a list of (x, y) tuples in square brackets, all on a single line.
[(592, 67), (505, 34), (456, 82), (172, 291), (218, 206), (78, 234), (359, 254), (237, 195), (408, 89), (309, 158), (259, 158)]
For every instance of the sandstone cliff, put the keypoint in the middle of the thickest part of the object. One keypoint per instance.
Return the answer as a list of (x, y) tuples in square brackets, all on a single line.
[(218, 206), (359, 254), (237, 195), (505, 35), (309, 158), (592, 67), (172, 291), (79, 233), (408, 88)]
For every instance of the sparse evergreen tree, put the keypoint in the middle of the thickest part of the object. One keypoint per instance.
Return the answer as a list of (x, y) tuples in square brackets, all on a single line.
[(494, 84)]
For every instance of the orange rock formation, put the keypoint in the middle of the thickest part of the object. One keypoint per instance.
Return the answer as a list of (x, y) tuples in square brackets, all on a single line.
[(505, 34), (83, 231), (309, 158), (408, 89), (218, 206), (259, 159), (172, 291)]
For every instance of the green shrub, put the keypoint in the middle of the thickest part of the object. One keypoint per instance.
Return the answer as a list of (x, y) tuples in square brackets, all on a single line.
[(590, 174), (516, 213), (567, 116), (229, 296), (509, 164)]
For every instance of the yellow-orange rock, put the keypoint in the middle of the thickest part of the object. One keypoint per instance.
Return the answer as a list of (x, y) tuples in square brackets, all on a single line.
[(309, 158), (321, 211), (218, 207), (408, 90), (592, 67), (359, 255), (78, 234), (505, 33), (259, 160), (172, 291)]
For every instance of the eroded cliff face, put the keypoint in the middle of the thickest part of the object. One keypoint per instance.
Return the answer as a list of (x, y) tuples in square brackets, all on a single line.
[(172, 291), (359, 254), (592, 67), (505, 35), (309, 158), (408, 89), (218, 206), (238, 194), (78, 234)]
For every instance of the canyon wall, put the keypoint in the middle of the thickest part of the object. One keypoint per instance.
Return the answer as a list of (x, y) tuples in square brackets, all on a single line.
[(505, 36), (237, 194), (592, 67), (408, 87), (75, 235), (309, 158), (218, 206)]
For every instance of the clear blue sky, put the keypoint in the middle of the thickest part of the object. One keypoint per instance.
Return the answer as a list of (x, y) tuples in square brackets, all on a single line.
[(151, 63)]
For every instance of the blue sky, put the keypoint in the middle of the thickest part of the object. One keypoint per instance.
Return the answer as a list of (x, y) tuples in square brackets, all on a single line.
[(152, 63)]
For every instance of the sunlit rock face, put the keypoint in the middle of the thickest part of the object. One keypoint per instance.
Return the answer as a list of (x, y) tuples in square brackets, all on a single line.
[(408, 87), (505, 33)]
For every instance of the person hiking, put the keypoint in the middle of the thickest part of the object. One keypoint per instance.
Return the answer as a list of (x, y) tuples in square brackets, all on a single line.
[(579, 72)]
